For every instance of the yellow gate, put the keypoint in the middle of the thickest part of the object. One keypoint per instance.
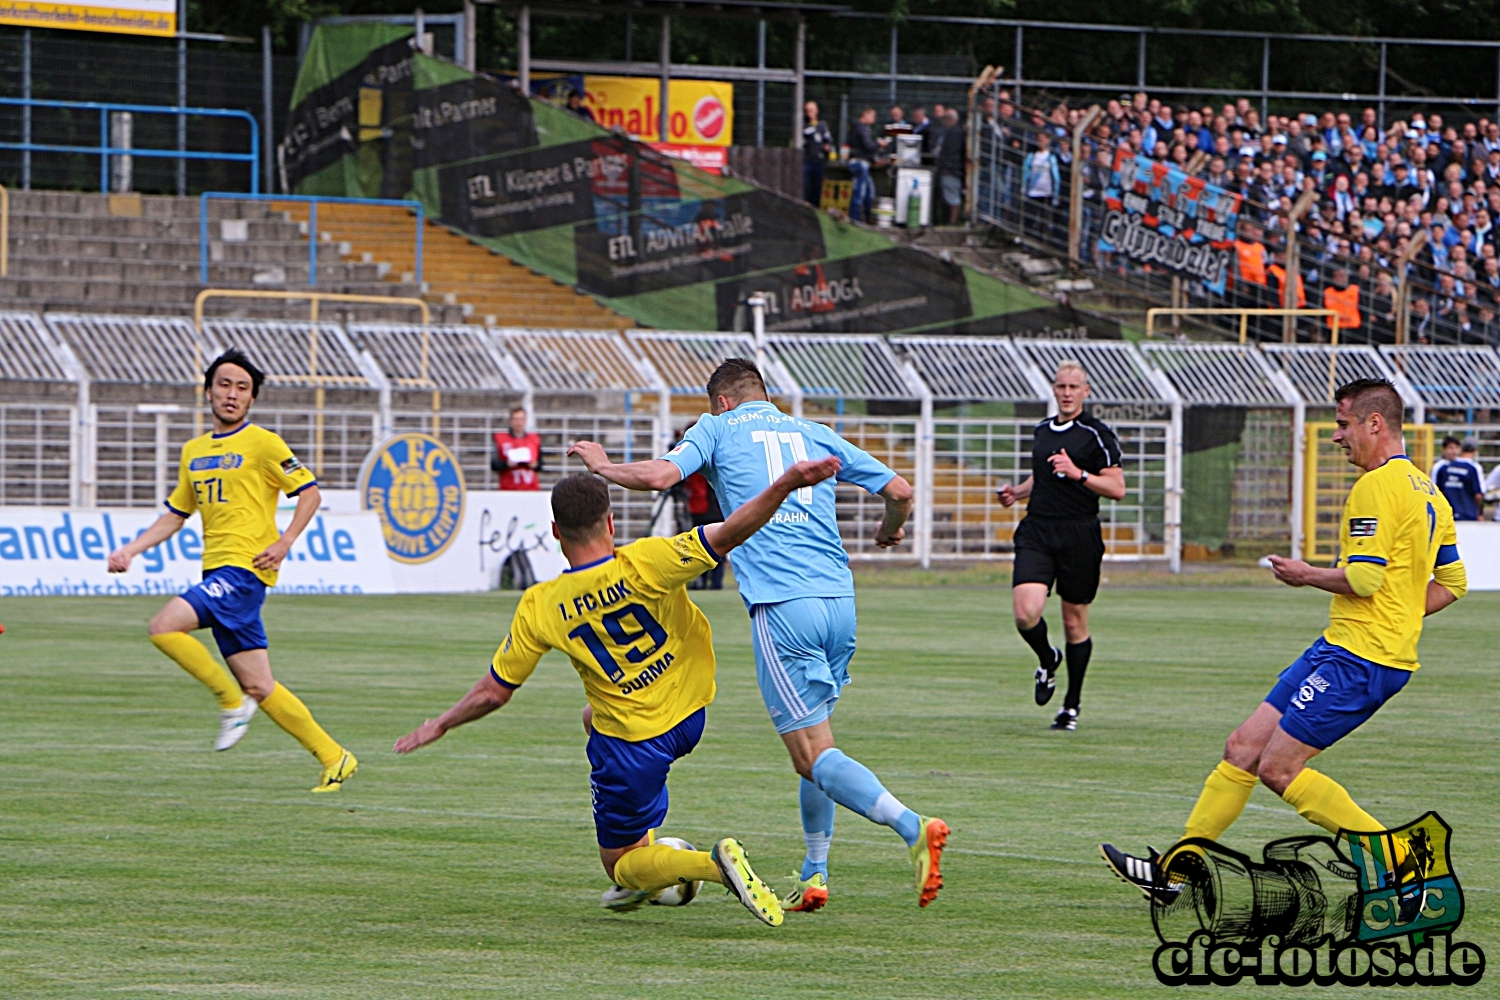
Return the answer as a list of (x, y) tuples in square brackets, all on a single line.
[(1328, 477)]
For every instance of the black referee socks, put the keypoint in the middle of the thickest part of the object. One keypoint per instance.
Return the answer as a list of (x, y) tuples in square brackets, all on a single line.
[(1078, 664), (1036, 638)]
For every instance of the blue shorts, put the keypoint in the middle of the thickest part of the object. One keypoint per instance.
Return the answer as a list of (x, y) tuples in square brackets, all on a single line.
[(802, 653), (629, 779), (1329, 692), (228, 601)]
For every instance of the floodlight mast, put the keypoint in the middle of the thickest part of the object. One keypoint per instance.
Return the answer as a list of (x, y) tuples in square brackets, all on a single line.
[(757, 304)]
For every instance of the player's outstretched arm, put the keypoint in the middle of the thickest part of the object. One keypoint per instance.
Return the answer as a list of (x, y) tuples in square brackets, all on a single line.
[(750, 517), (655, 474), (165, 527), (899, 499), (1296, 573), (483, 698)]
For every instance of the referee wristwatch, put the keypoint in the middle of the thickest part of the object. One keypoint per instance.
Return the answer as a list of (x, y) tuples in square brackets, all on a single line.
[(1083, 477)]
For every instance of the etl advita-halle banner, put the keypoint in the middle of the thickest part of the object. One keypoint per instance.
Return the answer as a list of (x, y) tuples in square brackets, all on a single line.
[(649, 235), (1156, 214)]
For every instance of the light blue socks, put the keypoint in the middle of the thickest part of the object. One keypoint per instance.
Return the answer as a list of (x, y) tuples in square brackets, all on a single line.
[(817, 827), (854, 786)]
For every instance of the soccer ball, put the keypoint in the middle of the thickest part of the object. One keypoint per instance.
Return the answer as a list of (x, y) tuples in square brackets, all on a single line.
[(677, 895)]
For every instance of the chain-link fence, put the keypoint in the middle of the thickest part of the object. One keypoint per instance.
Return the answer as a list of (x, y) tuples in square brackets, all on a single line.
[(72, 66)]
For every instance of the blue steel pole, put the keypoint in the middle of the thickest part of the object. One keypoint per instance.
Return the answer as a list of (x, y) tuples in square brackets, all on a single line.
[(254, 157), (420, 226), (203, 239), (312, 242), (103, 150)]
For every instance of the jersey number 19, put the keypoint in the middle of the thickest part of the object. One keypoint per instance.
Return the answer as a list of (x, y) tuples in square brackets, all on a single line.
[(775, 465)]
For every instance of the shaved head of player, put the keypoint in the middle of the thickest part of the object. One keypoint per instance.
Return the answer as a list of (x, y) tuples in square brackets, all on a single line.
[(1398, 562), (794, 578), (231, 477), (1075, 460)]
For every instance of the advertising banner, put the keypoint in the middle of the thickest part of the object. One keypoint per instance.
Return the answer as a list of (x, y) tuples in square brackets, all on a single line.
[(648, 234), (1156, 214), (125, 17), (441, 536), (699, 112), (51, 551)]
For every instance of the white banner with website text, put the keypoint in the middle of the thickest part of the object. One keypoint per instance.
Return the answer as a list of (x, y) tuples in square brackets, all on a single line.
[(47, 551)]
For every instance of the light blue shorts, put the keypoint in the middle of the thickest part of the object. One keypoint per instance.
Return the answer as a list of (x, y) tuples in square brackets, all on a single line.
[(802, 653)]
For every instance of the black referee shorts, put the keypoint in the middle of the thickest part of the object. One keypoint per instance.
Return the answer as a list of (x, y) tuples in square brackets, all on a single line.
[(1065, 553)]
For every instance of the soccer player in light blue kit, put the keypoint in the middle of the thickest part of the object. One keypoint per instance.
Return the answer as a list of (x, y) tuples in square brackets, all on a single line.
[(794, 577)]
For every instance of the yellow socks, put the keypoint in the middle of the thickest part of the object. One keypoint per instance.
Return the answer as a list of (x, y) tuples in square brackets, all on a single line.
[(192, 656), (648, 869), (1225, 792), (1321, 800), (288, 712)]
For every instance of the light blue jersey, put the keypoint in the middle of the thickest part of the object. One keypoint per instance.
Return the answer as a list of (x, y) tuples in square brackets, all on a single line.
[(799, 554)]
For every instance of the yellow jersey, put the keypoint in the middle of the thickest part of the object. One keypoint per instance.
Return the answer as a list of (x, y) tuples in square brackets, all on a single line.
[(644, 650), (1396, 518), (233, 480)]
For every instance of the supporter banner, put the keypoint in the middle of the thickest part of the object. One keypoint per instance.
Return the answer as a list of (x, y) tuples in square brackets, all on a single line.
[(645, 231), (47, 551), (1156, 214), (125, 17)]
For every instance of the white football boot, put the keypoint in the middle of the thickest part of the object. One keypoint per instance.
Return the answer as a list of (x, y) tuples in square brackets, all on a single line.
[(234, 723)]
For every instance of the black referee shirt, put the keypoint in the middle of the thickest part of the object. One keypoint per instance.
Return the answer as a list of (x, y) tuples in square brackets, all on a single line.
[(1091, 445)]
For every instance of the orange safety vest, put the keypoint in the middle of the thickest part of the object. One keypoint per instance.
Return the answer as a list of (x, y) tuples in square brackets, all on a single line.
[(1252, 258), (1279, 273), (1345, 302)]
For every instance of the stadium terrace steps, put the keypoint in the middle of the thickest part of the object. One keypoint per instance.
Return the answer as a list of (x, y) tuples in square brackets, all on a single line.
[(69, 253), (488, 287)]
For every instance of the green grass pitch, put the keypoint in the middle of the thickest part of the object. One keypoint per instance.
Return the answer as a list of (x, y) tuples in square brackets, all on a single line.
[(134, 862)]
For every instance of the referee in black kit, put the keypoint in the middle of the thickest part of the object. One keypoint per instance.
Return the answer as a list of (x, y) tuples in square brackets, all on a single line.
[(1075, 460)]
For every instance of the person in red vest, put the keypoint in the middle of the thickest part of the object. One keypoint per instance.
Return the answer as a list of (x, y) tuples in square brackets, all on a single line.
[(518, 454), (703, 508)]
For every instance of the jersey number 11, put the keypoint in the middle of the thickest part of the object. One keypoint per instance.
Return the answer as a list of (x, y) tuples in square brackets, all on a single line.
[(775, 465)]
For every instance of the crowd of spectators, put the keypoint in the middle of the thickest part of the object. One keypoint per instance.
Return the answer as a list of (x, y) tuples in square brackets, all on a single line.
[(1373, 188)]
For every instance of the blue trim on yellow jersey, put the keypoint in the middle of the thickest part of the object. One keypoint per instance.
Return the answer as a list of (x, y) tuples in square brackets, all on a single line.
[(233, 432), (1367, 559), (168, 505), (504, 684), (302, 487), (707, 547), (596, 562), (1447, 554)]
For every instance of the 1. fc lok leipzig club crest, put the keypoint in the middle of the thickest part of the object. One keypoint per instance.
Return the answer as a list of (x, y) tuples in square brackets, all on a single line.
[(1360, 909), (416, 486)]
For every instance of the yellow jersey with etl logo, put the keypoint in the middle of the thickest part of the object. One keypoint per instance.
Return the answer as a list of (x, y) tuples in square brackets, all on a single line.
[(233, 480), (1397, 519), (644, 650)]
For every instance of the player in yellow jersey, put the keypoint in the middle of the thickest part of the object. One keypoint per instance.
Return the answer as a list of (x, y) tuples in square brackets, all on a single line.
[(232, 477), (1398, 563), (646, 656)]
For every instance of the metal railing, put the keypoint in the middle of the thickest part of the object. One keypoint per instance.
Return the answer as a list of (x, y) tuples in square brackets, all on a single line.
[(104, 150), (313, 297), (312, 202)]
